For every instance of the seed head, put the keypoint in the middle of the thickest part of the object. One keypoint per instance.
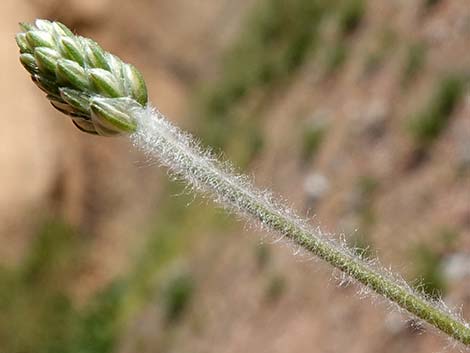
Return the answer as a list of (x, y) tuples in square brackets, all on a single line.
[(95, 88)]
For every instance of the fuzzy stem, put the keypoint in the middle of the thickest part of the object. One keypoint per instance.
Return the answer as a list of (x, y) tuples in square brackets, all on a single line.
[(188, 161)]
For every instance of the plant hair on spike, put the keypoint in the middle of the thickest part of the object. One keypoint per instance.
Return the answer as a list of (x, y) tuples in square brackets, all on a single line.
[(107, 97)]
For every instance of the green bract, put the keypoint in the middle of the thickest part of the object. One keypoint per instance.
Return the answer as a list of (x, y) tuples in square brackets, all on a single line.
[(95, 88)]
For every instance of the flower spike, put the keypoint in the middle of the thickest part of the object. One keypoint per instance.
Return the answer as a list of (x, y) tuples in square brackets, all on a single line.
[(95, 88)]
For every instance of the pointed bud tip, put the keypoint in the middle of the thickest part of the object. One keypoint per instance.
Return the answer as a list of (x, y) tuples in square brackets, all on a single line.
[(71, 49), (25, 26), (136, 84), (43, 25), (107, 115), (22, 43), (38, 38), (29, 63)]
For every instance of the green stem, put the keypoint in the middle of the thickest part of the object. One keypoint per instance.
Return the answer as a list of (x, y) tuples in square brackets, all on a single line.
[(157, 137)]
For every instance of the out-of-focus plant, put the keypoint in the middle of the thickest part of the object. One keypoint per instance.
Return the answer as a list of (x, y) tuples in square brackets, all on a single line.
[(415, 61), (276, 40), (177, 294), (351, 14), (426, 125)]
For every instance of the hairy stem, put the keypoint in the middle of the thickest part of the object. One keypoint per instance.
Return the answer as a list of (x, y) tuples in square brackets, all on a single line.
[(188, 161)]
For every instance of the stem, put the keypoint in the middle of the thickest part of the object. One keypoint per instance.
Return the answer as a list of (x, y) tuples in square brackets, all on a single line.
[(188, 161)]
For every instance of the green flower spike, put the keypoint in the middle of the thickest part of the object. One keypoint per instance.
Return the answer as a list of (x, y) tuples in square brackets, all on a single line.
[(95, 88)]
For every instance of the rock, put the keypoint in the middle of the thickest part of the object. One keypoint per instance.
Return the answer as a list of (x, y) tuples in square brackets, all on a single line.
[(315, 186), (456, 266), (371, 123)]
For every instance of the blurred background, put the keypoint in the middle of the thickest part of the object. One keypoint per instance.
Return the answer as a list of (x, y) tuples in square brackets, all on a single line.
[(356, 111)]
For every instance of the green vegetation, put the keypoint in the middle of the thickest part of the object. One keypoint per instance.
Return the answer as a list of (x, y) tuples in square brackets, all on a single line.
[(351, 14), (313, 136), (336, 57), (428, 124), (415, 61), (277, 39), (177, 295), (366, 188), (275, 288), (38, 314), (101, 322), (429, 270), (386, 41), (249, 143), (428, 261), (431, 3), (37, 300)]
